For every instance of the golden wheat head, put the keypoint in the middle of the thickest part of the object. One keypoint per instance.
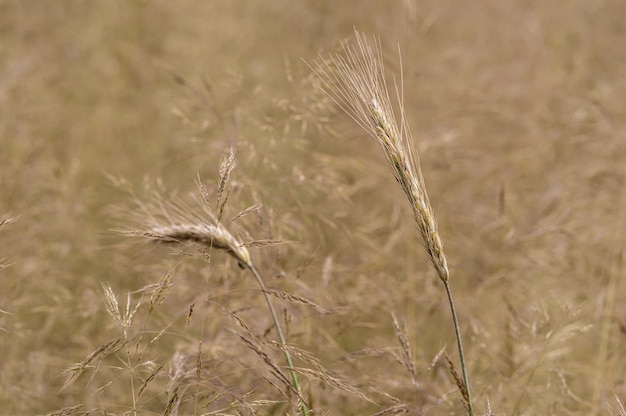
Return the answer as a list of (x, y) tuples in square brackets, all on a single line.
[(171, 221), (355, 80), (208, 235)]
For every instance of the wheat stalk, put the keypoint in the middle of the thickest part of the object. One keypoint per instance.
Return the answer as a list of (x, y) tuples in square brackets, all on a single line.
[(169, 222), (355, 81), (217, 236)]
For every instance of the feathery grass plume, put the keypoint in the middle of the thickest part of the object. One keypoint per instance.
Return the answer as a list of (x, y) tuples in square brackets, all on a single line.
[(355, 80), (123, 317), (172, 222)]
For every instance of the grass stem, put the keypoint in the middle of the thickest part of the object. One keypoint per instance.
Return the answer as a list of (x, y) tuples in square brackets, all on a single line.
[(294, 377), (459, 344)]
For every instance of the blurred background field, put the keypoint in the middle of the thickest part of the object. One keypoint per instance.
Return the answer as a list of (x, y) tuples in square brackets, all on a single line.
[(519, 113)]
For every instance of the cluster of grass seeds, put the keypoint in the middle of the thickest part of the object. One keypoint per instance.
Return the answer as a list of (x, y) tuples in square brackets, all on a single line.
[(126, 360), (192, 384)]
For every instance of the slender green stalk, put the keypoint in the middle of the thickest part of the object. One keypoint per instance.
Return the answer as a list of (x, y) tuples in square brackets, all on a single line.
[(294, 377), (459, 344)]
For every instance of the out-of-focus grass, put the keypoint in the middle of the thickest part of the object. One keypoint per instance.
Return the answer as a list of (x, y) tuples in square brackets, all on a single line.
[(519, 112)]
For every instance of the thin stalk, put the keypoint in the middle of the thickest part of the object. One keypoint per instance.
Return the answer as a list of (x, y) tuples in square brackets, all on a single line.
[(356, 82), (294, 377), (459, 344)]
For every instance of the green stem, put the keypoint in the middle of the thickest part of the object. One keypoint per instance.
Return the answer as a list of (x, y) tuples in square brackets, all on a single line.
[(457, 332), (304, 411)]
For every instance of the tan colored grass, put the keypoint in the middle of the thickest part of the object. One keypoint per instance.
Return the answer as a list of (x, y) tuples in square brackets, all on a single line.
[(169, 222), (516, 99)]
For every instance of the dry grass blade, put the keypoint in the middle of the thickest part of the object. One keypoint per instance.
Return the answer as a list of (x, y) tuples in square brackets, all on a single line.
[(407, 358), (393, 410), (303, 355), (246, 211), (69, 411), (274, 369), (240, 322), (266, 242), (159, 335), (172, 404), (327, 378), (297, 300), (255, 344), (459, 381), (74, 371), (159, 291), (436, 359), (149, 379)]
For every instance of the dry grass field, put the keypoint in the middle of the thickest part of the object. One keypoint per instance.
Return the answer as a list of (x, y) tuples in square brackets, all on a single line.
[(113, 112)]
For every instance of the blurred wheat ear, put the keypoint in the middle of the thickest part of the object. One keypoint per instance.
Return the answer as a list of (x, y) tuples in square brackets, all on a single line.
[(355, 80), (171, 223)]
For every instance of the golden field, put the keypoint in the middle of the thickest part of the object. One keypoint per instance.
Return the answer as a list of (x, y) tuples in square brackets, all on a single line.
[(111, 111)]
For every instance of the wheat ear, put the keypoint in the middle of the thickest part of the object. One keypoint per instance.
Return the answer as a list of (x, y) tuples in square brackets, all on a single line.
[(174, 223), (355, 81), (207, 235)]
